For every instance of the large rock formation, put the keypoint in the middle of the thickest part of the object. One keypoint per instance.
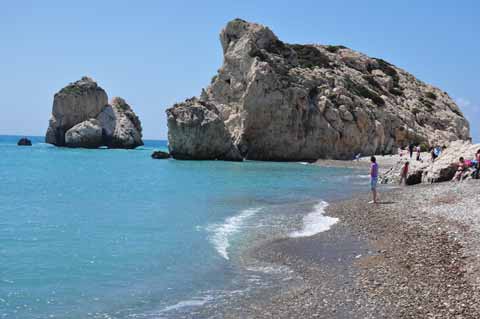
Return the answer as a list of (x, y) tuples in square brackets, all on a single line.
[(77, 102), (276, 101), (82, 117)]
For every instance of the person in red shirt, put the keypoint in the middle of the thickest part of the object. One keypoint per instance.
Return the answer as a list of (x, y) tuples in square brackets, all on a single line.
[(404, 174)]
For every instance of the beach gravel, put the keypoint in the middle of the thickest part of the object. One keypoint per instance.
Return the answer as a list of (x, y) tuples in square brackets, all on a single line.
[(414, 255)]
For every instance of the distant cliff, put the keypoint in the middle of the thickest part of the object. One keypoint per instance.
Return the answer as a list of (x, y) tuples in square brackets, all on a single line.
[(276, 101), (82, 117)]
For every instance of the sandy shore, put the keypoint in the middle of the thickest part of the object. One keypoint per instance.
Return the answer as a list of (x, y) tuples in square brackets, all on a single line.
[(416, 255), (385, 162)]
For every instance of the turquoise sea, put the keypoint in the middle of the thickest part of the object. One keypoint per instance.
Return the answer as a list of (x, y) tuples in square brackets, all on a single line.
[(116, 234)]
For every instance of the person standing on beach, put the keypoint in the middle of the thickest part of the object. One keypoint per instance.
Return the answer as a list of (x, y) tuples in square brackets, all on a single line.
[(410, 149), (374, 178), (433, 154), (419, 149), (404, 174)]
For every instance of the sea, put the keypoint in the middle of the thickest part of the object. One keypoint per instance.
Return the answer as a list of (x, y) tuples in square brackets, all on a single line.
[(116, 234)]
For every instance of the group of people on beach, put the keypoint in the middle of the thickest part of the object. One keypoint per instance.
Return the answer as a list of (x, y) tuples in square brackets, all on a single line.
[(463, 166), (417, 150)]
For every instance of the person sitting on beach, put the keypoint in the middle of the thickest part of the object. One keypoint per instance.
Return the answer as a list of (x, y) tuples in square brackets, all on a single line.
[(374, 179), (404, 174), (461, 167), (477, 166), (357, 157)]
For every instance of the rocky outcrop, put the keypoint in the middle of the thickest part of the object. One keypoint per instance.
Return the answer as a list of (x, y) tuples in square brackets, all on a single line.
[(276, 101), (82, 117), (127, 132), (24, 142), (160, 155), (445, 166), (77, 102), (441, 170), (197, 132), (87, 134), (415, 172)]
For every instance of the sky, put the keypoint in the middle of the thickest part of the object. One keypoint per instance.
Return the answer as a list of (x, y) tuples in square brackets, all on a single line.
[(157, 53)]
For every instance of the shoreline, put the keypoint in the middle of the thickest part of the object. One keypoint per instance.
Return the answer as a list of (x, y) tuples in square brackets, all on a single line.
[(413, 256)]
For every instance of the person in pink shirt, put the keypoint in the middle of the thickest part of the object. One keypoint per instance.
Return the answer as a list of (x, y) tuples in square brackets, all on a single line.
[(477, 172)]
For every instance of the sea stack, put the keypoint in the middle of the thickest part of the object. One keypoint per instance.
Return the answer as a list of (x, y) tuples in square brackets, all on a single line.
[(82, 117), (288, 102)]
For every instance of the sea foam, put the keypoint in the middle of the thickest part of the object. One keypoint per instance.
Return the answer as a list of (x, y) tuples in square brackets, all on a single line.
[(315, 222), (220, 234), (196, 302)]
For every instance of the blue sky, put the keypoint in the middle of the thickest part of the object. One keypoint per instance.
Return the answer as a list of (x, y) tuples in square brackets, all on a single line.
[(156, 53)]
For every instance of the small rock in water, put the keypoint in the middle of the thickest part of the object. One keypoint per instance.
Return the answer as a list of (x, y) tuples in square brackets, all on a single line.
[(24, 142), (160, 155)]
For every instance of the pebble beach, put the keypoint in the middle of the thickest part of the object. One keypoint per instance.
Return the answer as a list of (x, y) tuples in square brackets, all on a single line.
[(414, 255)]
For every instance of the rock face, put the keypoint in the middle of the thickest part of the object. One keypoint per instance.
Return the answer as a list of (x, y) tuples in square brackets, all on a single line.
[(82, 117), (24, 142), (197, 131), (126, 130), (87, 134), (276, 101)]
